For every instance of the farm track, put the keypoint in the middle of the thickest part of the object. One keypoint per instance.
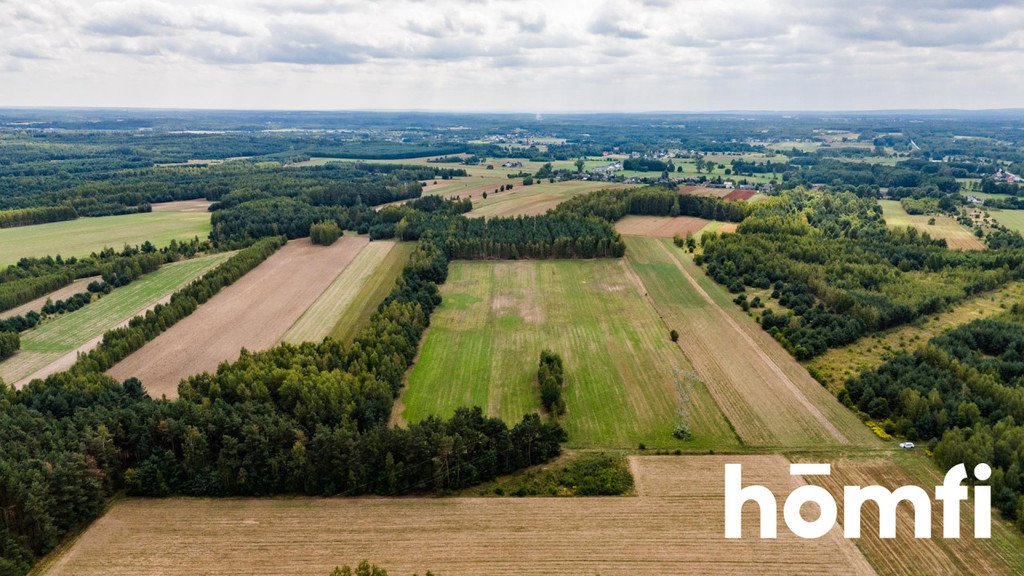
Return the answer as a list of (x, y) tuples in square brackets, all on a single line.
[(253, 313)]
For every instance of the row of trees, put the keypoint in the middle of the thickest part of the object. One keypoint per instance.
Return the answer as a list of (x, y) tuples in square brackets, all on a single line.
[(550, 378), (613, 205), (41, 215)]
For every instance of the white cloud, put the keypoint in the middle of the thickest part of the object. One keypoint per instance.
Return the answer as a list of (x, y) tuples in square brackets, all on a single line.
[(509, 54)]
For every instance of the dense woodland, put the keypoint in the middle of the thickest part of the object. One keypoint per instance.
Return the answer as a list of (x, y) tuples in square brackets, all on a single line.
[(962, 393)]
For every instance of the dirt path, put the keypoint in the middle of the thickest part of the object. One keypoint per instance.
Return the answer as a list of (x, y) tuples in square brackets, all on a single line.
[(253, 313)]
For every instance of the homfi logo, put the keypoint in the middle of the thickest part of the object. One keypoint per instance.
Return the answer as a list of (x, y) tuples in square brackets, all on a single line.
[(951, 493)]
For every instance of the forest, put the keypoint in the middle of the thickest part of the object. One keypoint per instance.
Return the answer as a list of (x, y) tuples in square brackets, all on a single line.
[(960, 393)]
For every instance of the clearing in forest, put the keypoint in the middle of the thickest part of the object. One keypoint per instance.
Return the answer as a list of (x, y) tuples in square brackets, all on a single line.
[(54, 345), (626, 383), (769, 398), (534, 199), (957, 237), (661, 226), (252, 313), (81, 237), (674, 527)]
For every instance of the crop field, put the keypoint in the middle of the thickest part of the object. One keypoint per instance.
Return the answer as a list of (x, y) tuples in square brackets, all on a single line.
[(837, 365), (626, 383), (53, 345), (661, 226), (320, 319), (253, 313), (80, 285), (769, 398), (81, 237), (374, 290), (673, 527), (956, 236), (705, 191), (906, 555), (535, 199)]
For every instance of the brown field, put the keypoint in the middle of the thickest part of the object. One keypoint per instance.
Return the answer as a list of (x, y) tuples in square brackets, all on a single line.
[(769, 398), (535, 199), (705, 191), (60, 294), (740, 195), (253, 313), (200, 205), (660, 226), (673, 527), (836, 365), (907, 556)]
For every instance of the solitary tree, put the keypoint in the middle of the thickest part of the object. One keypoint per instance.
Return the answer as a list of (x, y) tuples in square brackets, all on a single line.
[(580, 164)]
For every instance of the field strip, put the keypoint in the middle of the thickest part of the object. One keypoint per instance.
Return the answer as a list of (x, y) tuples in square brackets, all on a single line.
[(252, 313), (75, 287), (357, 314), (53, 345), (742, 370), (674, 527), (661, 226), (317, 322)]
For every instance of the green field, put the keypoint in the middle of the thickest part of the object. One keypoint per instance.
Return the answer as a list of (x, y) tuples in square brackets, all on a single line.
[(367, 274), (84, 236), (357, 313), (57, 340), (626, 383), (1012, 219), (535, 199), (956, 236)]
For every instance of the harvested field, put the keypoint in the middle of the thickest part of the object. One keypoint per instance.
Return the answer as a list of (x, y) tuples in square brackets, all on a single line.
[(705, 191), (769, 398), (740, 195), (54, 345), (906, 555), (253, 313), (956, 236), (83, 236), (625, 381), (535, 199), (674, 527), (200, 205), (75, 287), (319, 320), (720, 227), (837, 365), (1012, 219), (661, 226)]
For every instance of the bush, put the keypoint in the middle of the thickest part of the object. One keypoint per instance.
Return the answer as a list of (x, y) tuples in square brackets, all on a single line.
[(324, 233), (9, 344), (674, 335)]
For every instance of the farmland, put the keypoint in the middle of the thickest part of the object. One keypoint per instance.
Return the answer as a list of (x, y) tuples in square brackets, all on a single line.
[(906, 555), (253, 313), (81, 237), (53, 345), (673, 527), (535, 199), (668, 227), (836, 365), (958, 237), (767, 396), (1012, 219), (80, 285), (325, 315), (626, 383)]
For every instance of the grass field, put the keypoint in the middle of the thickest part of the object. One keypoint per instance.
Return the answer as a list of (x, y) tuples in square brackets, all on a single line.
[(905, 555), (320, 319), (52, 346), (956, 236), (836, 365), (1012, 219), (626, 383), (767, 396), (372, 293), (80, 285), (674, 527), (84, 236), (252, 313)]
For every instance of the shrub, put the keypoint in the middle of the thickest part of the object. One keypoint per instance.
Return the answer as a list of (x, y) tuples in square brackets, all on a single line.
[(325, 232)]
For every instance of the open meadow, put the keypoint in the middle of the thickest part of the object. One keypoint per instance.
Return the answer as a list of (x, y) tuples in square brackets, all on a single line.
[(81, 237), (673, 527), (535, 199), (626, 383), (769, 398), (53, 345), (955, 235), (1012, 219), (252, 313)]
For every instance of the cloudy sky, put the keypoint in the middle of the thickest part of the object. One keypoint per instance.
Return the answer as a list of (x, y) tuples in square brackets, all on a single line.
[(564, 55)]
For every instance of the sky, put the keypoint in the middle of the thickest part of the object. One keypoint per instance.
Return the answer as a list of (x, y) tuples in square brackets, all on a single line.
[(513, 55)]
